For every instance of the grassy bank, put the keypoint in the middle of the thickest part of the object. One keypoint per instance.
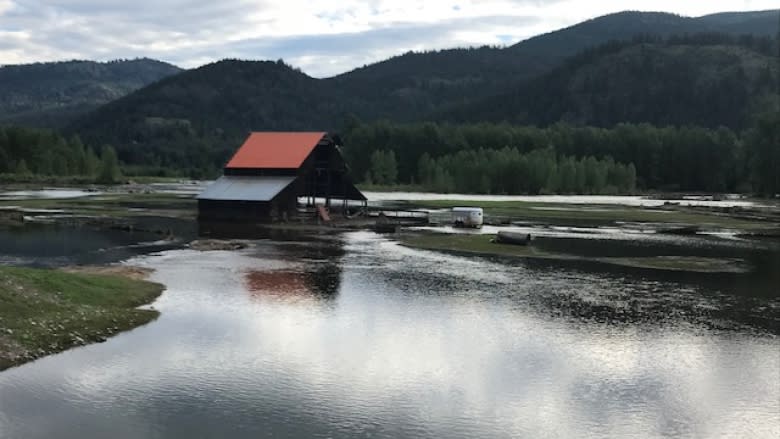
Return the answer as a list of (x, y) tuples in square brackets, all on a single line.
[(482, 245), (36, 180), (574, 214), (390, 187), (115, 204), (465, 243), (46, 311)]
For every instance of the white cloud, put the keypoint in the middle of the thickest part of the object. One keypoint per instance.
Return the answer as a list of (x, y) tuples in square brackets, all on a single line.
[(323, 37)]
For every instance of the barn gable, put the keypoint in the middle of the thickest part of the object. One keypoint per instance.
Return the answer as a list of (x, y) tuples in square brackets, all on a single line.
[(264, 179)]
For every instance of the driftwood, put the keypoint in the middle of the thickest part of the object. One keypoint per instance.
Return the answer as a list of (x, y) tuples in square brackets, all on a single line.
[(679, 230), (381, 227), (513, 238), (217, 244)]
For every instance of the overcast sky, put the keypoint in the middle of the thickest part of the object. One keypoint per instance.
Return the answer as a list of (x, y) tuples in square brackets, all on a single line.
[(322, 37)]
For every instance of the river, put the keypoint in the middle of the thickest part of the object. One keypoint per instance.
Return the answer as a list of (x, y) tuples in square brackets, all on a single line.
[(354, 335)]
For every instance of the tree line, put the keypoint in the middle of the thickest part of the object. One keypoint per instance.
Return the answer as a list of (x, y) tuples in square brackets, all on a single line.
[(508, 171), (27, 152), (505, 158), (483, 157)]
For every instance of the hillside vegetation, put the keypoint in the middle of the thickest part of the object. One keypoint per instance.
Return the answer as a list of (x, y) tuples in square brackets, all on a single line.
[(707, 80), (196, 119), (52, 94), (661, 102), (413, 85)]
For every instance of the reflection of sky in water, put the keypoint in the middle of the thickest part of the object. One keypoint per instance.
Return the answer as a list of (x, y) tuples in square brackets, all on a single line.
[(46, 194), (402, 343)]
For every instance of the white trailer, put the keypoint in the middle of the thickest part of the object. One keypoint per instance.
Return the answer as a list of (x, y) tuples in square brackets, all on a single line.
[(467, 217)]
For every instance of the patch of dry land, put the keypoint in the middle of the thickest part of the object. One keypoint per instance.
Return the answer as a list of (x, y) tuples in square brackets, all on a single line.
[(45, 311)]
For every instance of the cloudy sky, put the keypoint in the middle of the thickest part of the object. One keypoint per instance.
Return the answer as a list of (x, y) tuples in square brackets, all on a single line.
[(322, 37)]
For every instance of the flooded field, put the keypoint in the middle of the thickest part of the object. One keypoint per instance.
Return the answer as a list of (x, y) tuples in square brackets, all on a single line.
[(636, 201), (195, 187), (53, 245), (355, 335)]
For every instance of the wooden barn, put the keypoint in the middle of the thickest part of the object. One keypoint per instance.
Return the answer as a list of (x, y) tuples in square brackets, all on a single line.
[(267, 176)]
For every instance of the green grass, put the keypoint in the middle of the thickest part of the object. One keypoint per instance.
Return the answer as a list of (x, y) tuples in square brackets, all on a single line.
[(78, 180), (597, 214), (390, 187), (468, 243), (43, 311), (37, 180), (115, 204)]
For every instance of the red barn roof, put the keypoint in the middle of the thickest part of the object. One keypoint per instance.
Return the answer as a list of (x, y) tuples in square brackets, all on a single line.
[(275, 150)]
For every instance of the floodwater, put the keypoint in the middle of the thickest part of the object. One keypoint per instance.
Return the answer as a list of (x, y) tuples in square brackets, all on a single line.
[(54, 245), (52, 194), (356, 336), (195, 187), (620, 200)]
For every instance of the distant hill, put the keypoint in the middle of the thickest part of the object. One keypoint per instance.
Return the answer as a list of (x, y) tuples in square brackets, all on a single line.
[(755, 22), (706, 80), (423, 82), (211, 108), (52, 94)]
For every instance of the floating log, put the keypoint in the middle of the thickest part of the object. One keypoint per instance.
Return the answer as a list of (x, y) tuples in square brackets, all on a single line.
[(513, 238), (11, 216), (380, 227), (680, 230)]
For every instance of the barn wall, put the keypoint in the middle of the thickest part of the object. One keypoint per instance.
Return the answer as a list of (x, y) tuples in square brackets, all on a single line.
[(237, 211)]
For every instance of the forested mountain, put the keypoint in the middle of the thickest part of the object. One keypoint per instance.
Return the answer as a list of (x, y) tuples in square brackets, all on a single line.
[(755, 22), (51, 94), (424, 82), (198, 117), (707, 80), (190, 123), (404, 87), (195, 119)]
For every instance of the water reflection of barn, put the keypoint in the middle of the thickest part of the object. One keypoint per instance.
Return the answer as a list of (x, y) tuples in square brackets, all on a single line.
[(320, 283), (265, 178)]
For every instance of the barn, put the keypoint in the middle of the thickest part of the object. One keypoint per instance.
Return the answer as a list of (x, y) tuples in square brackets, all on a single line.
[(271, 171)]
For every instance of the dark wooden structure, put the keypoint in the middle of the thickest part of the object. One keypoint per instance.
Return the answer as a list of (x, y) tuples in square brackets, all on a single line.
[(271, 172)]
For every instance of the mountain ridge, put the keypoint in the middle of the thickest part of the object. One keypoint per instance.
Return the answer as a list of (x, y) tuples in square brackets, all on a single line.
[(52, 93)]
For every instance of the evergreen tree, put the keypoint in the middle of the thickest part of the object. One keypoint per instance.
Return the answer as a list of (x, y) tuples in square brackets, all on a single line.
[(79, 156), (384, 168), (21, 168), (425, 169), (91, 162), (763, 144), (109, 166), (5, 159)]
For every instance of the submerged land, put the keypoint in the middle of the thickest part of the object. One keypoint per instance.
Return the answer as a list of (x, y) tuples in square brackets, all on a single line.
[(48, 310), (485, 245)]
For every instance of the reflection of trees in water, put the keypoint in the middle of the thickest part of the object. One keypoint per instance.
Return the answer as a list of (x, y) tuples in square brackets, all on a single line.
[(325, 280), (658, 305), (239, 230), (58, 244), (319, 278), (320, 281), (311, 250)]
